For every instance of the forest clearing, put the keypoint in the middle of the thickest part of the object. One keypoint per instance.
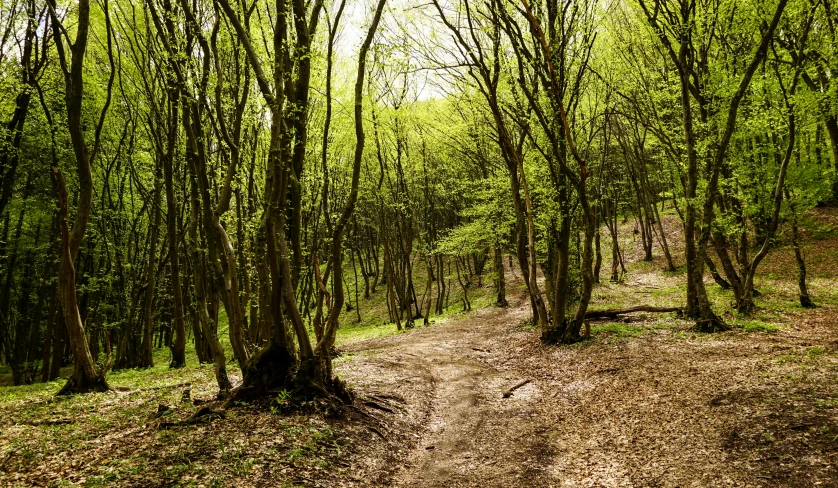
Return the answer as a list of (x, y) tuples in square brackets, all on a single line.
[(494, 243)]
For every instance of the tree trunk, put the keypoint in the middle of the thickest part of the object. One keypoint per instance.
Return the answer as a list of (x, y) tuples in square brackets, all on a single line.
[(208, 325), (716, 276), (87, 376), (146, 357), (500, 279), (179, 346), (598, 251), (831, 123)]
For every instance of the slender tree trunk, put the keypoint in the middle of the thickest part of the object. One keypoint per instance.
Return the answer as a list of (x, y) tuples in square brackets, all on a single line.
[(805, 299), (208, 325), (746, 304), (466, 302), (87, 376), (178, 348), (500, 279), (598, 251), (357, 301), (426, 299), (50, 331), (716, 276), (61, 343), (146, 359), (831, 123)]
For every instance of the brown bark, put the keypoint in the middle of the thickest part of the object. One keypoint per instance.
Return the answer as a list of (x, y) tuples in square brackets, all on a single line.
[(208, 325), (805, 299), (87, 376), (178, 348), (500, 279), (698, 304), (146, 357)]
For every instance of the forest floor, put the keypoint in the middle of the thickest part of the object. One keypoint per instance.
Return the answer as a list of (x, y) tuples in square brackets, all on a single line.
[(645, 402)]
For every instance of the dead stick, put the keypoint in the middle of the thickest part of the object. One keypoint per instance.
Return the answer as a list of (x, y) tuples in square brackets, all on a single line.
[(612, 313), (508, 393)]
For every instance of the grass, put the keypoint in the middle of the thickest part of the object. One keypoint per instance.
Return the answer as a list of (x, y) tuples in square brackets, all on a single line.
[(757, 326), (375, 320), (808, 357)]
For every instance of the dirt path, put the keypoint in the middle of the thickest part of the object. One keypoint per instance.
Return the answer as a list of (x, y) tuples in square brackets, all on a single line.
[(652, 405), (474, 436)]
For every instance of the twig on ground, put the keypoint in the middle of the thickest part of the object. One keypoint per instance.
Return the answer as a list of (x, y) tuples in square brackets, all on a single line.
[(508, 393), (51, 422)]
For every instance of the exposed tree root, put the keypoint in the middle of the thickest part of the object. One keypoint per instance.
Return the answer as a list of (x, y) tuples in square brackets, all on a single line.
[(81, 383), (375, 429), (271, 368), (283, 384), (711, 325), (565, 333), (378, 406)]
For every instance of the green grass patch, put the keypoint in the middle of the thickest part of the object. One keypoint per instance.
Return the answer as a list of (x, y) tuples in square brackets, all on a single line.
[(757, 326), (374, 316), (804, 358)]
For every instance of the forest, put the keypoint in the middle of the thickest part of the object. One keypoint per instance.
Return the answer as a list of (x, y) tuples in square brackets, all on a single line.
[(437, 243)]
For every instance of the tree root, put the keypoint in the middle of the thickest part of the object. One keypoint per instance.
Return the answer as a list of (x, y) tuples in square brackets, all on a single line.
[(87, 385), (378, 406), (565, 333), (271, 368), (203, 415), (711, 325)]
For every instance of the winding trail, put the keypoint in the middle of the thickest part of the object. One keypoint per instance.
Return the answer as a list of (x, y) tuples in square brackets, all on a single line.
[(647, 402), (474, 436)]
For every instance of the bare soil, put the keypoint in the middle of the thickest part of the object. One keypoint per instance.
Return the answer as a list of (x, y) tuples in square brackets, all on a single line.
[(473, 436), (666, 407)]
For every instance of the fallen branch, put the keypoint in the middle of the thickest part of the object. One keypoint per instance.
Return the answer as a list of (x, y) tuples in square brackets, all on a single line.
[(51, 422), (615, 312), (126, 389), (508, 393)]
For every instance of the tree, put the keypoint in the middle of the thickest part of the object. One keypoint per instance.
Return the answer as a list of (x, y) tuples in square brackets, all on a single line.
[(87, 376)]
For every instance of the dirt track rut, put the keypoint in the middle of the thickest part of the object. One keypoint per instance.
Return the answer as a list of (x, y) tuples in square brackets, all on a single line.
[(474, 436)]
